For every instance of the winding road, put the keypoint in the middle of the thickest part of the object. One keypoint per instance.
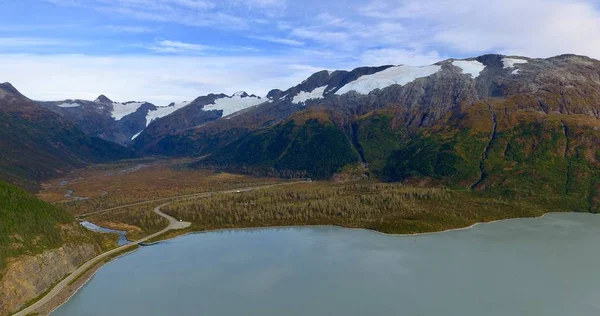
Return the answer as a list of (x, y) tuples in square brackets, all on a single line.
[(173, 225)]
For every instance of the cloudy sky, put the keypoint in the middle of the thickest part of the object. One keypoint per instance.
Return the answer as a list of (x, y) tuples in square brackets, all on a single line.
[(174, 50)]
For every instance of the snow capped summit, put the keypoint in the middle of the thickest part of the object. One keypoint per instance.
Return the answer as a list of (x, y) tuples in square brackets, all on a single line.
[(121, 110), (399, 75), (303, 96), (510, 62), (237, 102), (241, 94), (469, 67), (162, 111)]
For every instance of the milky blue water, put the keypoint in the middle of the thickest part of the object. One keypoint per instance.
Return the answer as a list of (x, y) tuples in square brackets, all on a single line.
[(546, 266), (93, 227)]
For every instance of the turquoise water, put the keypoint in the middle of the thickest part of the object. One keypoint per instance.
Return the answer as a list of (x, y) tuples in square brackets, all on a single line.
[(122, 234), (545, 266)]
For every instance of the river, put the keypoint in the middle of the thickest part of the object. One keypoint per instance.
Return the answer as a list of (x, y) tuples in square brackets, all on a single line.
[(543, 266), (93, 227)]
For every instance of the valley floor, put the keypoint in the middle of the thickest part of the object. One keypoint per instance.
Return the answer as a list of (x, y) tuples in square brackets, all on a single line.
[(126, 197), (128, 192)]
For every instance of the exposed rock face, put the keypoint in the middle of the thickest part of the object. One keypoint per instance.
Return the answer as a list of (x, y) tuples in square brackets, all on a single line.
[(26, 277), (478, 123)]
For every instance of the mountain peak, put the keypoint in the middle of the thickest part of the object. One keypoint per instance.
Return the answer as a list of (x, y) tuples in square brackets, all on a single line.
[(274, 94), (6, 86), (8, 89), (103, 99), (240, 94)]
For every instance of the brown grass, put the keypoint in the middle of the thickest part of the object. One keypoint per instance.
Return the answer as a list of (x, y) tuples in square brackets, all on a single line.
[(390, 208), (113, 185)]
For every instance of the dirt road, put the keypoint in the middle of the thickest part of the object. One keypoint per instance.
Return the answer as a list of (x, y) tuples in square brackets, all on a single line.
[(173, 224)]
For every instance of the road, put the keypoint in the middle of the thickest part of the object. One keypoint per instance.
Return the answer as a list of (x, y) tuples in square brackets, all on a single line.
[(183, 197), (173, 224)]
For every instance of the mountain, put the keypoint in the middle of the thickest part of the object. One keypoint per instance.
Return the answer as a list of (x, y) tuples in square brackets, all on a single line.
[(509, 124), (103, 118), (123, 122), (38, 144), (200, 111), (39, 244)]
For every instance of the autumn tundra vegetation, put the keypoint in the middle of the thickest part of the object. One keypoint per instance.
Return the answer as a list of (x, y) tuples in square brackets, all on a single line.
[(385, 207)]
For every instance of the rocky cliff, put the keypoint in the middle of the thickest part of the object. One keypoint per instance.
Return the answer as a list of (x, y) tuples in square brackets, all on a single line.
[(26, 277), (40, 243)]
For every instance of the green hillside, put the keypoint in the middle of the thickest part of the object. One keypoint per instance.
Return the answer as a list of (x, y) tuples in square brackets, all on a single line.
[(305, 145), (29, 225), (38, 144), (553, 159)]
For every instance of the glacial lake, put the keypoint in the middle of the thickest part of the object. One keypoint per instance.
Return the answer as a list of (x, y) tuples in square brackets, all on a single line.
[(544, 266)]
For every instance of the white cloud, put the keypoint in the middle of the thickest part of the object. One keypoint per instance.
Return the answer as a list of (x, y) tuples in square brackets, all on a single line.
[(538, 28), (167, 46), (224, 14), (130, 29), (389, 56), (16, 42), (314, 34), (195, 4), (158, 79), (279, 40)]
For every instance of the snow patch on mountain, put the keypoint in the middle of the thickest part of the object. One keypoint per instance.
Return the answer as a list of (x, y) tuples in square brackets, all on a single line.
[(69, 105), (515, 72), (510, 62), (399, 75), (471, 67), (120, 110), (136, 135), (233, 104), (304, 96), (162, 111)]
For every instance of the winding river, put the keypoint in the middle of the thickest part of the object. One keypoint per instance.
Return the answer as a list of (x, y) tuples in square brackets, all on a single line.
[(93, 227), (543, 266)]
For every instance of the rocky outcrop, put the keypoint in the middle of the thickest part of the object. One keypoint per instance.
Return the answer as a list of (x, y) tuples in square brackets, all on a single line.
[(26, 277)]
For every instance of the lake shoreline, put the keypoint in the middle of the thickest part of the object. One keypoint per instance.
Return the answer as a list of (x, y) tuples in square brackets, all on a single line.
[(66, 294), (84, 279), (353, 228)]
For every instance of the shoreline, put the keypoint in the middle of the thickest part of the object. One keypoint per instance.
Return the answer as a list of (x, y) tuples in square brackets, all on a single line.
[(77, 285), (355, 228), (51, 306)]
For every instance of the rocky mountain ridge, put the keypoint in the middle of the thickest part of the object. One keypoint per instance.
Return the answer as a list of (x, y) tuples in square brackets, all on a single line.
[(38, 144), (485, 123), (123, 122)]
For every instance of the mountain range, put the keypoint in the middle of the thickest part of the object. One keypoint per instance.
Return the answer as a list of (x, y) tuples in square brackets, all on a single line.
[(122, 122), (38, 144), (506, 124)]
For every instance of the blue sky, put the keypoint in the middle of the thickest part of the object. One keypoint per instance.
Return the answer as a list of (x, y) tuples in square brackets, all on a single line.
[(175, 50)]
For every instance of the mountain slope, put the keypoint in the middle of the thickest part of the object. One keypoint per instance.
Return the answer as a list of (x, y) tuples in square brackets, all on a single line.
[(103, 118), (38, 144), (293, 148), (122, 123), (514, 125), (39, 244), (198, 112)]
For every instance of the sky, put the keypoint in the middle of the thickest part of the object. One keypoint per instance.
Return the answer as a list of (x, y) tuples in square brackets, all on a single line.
[(166, 51)]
